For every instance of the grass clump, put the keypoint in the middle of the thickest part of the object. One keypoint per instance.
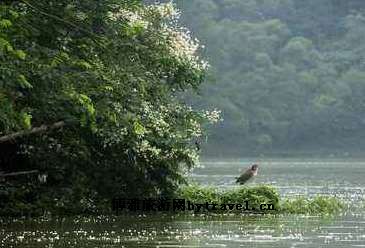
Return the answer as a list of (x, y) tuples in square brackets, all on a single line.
[(197, 193), (255, 197), (317, 205)]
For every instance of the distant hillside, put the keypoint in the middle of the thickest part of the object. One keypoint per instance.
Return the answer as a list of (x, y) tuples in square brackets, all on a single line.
[(287, 74)]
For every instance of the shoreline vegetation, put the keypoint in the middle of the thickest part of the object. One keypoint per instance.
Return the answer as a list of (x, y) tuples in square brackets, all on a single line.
[(90, 97), (254, 196), (263, 194)]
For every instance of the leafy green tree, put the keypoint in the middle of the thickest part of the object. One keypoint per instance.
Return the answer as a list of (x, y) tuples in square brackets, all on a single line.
[(103, 78)]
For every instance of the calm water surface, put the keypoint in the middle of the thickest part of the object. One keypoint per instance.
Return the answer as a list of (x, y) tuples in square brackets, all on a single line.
[(343, 178)]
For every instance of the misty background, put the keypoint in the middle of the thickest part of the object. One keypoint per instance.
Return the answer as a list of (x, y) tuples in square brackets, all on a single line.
[(288, 75)]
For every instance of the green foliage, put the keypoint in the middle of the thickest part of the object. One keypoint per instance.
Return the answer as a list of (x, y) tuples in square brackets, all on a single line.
[(319, 204), (198, 194), (261, 195), (255, 196), (29, 198), (113, 71)]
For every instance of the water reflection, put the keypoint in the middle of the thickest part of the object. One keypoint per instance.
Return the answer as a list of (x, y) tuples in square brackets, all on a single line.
[(292, 177)]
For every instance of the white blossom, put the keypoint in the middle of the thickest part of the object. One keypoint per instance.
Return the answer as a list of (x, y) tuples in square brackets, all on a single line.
[(132, 18), (213, 116)]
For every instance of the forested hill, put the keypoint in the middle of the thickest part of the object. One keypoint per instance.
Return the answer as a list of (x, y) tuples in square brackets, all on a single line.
[(287, 74)]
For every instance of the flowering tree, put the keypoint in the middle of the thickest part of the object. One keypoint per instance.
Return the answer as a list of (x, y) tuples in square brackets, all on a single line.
[(112, 73)]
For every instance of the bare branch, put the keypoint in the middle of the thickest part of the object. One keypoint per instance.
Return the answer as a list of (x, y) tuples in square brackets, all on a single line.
[(18, 173), (35, 130)]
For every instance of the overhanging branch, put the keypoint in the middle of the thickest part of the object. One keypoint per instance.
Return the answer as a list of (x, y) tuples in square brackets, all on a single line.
[(35, 130), (18, 173)]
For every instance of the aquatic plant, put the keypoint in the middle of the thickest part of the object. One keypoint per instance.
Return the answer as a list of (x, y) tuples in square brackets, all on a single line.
[(317, 205), (254, 196), (258, 195)]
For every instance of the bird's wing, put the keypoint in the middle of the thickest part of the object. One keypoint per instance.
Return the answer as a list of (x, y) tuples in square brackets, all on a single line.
[(244, 177)]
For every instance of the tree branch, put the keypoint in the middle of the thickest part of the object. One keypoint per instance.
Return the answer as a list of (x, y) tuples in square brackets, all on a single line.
[(94, 37), (35, 130), (18, 173)]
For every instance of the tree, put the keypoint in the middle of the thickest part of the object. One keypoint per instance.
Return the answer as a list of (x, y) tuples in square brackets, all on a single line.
[(112, 72)]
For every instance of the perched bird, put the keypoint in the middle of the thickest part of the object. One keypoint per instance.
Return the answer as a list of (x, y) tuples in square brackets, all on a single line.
[(248, 174)]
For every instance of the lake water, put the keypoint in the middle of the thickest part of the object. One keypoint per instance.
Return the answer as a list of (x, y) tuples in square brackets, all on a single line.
[(343, 178)]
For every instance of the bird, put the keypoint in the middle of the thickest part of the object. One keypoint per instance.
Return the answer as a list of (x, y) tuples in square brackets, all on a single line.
[(248, 174)]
